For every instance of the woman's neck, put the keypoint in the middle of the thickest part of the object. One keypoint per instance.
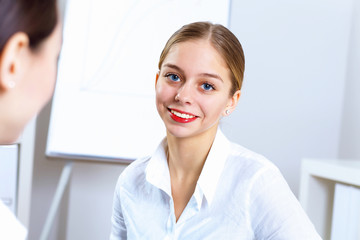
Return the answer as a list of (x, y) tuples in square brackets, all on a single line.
[(186, 156)]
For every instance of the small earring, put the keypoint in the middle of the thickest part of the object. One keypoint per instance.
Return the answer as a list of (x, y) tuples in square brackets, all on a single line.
[(11, 84), (227, 112)]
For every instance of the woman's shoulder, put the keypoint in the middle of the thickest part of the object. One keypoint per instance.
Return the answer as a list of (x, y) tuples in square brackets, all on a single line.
[(247, 166), (134, 171), (238, 157), (245, 157), (254, 170)]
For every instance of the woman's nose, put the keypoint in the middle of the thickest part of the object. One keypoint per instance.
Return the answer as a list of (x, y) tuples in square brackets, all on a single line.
[(185, 94)]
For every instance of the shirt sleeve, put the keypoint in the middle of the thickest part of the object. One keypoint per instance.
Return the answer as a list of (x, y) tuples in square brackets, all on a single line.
[(118, 227), (276, 213)]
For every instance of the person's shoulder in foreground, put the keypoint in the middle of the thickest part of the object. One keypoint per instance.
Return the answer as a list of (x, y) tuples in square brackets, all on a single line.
[(10, 227)]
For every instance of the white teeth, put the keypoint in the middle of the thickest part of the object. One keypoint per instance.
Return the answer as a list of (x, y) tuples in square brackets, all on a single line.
[(182, 115)]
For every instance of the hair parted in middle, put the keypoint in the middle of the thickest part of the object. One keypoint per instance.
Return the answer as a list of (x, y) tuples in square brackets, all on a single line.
[(221, 38)]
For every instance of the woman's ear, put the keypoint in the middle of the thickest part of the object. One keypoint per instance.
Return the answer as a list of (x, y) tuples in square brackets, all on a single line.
[(233, 101), (13, 60)]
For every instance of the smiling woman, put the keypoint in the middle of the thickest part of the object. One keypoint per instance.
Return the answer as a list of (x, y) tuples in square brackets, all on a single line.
[(198, 184), (194, 81)]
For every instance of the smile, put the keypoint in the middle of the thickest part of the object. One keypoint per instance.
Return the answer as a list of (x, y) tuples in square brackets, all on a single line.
[(181, 116)]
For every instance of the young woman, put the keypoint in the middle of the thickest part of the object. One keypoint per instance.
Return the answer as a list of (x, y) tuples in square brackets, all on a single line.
[(30, 41), (197, 184)]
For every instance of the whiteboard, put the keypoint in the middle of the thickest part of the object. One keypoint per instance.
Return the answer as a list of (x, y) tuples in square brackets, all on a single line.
[(104, 100)]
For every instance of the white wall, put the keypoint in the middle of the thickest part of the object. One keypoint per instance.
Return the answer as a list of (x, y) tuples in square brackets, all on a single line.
[(350, 134), (291, 104), (91, 190)]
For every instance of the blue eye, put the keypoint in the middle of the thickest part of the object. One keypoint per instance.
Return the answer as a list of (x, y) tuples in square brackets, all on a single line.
[(173, 77), (207, 87)]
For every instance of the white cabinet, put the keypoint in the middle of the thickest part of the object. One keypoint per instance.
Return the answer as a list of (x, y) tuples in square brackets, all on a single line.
[(9, 175), (318, 179)]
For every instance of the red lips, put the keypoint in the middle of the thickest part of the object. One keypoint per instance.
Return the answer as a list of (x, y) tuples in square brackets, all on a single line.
[(182, 119)]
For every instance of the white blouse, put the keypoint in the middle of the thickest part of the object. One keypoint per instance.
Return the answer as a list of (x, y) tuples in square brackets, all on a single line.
[(239, 195)]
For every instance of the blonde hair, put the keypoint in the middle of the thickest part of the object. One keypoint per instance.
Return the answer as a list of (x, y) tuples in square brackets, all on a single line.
[(221, 38)]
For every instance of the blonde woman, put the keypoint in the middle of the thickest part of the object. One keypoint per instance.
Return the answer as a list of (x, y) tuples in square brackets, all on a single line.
[(198, 184)]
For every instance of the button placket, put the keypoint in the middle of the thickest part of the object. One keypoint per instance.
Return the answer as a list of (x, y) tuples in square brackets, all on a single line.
[(170, 225)]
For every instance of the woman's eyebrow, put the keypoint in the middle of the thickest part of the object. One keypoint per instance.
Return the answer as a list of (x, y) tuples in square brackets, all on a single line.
[(169, 65), (210, 75)]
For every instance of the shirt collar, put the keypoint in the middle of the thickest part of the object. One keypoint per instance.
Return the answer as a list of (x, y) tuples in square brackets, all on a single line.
[(214, 166), (157, 171)]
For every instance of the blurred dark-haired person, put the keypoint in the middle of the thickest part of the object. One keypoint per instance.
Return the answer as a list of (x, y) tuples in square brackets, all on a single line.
[(30, 42)]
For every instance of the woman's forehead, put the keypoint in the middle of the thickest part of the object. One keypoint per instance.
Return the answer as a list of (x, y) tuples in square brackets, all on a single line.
[(195, 51)]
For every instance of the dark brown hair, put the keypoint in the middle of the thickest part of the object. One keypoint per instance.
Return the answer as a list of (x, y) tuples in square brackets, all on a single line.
[(36, 18), (221, 38)]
